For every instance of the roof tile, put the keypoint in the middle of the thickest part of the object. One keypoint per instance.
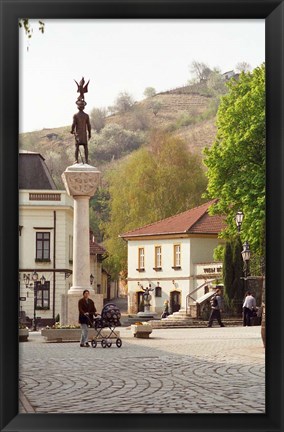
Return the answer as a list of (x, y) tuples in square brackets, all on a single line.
[(196, 221)]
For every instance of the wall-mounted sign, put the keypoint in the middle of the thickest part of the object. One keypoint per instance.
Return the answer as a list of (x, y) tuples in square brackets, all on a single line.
[(214, 269)]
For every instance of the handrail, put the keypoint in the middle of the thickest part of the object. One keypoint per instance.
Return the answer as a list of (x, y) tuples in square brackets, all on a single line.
[(189, 295)]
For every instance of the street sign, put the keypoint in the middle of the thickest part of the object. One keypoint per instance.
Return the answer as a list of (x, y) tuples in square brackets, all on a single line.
[(23, 298)]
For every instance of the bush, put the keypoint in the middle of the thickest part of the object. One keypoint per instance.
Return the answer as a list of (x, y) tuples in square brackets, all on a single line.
[(98, 118), (114, 142)]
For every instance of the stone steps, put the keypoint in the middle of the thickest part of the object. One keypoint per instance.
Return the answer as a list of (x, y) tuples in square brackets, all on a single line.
[(191, 323)]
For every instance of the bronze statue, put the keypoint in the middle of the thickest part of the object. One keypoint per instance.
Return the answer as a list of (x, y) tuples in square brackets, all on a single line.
[(81, 123), (81, 88)]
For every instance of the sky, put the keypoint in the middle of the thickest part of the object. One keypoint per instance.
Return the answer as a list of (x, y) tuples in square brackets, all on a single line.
[(122, 55)]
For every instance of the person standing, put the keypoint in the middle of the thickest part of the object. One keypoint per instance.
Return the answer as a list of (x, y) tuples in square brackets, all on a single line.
[(249, 306), (216, 309), (87, 311)]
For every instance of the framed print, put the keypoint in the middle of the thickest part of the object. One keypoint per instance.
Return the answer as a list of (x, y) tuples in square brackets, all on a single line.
[(141, 217)]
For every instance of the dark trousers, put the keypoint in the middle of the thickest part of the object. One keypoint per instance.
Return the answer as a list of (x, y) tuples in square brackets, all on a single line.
[(247, 315), (215, 314)]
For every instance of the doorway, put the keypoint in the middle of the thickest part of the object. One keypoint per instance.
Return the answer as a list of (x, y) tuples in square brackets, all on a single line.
[(140, 301), (175, 301)]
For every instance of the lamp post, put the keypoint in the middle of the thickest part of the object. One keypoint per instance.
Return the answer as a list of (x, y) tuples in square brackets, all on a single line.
[(239, 219), (35, 279), (246, 257)]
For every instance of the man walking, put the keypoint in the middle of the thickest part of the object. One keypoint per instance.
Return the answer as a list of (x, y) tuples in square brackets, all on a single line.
[(87, 310), (216, 309), (248, 308)]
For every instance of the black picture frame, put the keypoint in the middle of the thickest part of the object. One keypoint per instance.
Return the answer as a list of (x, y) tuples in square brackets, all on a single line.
[(273, 12)]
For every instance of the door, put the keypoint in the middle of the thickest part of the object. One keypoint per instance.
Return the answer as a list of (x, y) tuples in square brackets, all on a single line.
[(140, 301), (175, 301)]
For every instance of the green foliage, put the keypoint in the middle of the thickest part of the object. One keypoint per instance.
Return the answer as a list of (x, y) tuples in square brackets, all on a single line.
[(218, 254), (99, 212), (98, 118), (228, 271), (232, 273), (149, 92), (25, 23), (236, 161), (123, 102), (155, 106), (154, 183), (113, 142), (216, 83)]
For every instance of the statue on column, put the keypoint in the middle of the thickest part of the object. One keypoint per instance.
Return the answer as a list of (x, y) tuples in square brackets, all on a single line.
[(147, 297), (81, 126)]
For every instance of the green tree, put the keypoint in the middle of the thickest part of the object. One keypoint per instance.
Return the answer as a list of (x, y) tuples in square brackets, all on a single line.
[(237, 285), (98, 118), (236, 161), (123, 102), (149, 92), (232, 273), (155, 106), (228, 272), (113, 142), (26, 25), (154, 183)]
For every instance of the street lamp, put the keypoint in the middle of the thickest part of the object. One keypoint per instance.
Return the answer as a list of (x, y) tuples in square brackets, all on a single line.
[(35, 279), (246, 257), (239, 219), (91, 279)]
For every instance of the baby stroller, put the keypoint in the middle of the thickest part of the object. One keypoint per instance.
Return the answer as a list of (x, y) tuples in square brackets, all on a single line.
[(109, 318)]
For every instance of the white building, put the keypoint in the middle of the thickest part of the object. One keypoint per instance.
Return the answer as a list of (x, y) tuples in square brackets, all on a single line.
[(46, 244), (175, 257)]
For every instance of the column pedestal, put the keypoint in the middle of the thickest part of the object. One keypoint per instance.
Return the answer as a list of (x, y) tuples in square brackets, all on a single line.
[(81, 182)]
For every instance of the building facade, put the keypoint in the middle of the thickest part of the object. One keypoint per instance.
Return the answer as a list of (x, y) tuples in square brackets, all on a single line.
[(174, 257), (46, 245)]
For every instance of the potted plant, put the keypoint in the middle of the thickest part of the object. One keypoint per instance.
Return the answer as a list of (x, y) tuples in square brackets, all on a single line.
[(141, 330), (23, 333)]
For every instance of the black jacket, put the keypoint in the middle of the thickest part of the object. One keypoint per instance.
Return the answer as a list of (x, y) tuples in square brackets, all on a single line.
[(84, 307)]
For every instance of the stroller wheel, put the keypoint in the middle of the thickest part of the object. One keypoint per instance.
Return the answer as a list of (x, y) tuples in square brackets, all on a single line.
[(118, 342), (109, 344), (103, 343), (94, 343)]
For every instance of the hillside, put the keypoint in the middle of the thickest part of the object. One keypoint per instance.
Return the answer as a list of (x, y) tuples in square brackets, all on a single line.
[(188, 115)]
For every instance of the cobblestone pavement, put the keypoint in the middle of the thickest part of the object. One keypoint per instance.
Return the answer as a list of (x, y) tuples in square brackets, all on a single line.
[(215, 370)]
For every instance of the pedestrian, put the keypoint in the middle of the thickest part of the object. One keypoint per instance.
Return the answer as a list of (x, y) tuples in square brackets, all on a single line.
[(249, 306), (87, 311), (216, 309), (166, 309)]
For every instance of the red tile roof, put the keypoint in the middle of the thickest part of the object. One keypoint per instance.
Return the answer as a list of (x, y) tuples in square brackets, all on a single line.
[(95, 248), (193, 221)]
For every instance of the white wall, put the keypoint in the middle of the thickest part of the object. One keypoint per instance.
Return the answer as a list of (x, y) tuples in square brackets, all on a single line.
[(41, 214), (193, 251), (164, 276)]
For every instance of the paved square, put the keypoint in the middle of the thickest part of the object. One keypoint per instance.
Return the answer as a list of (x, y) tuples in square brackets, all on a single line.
[(193, 370)]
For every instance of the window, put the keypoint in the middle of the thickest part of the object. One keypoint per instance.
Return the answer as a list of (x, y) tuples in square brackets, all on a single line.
[(158, 291), (177, 256), (42, 300), (43, 246), (141, 258), (158, 257)]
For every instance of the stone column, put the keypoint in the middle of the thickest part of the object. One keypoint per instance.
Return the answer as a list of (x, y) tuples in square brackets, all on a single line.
[(81, 182)]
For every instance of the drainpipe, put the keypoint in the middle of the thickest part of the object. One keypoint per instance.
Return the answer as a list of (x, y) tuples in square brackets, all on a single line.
[(54, 262)]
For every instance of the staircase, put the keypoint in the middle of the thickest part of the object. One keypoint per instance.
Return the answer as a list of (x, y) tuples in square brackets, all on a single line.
[(181, 319)]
